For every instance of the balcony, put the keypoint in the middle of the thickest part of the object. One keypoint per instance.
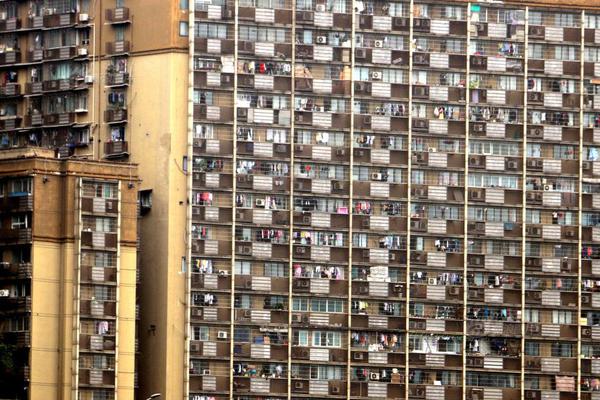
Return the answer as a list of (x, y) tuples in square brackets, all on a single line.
[(20, 304), (66, 118), (117, 79), (15, 236), (17, 204), (19, 339), (59, 20), (99, 205), (35, 119), (97, 343), (116, 149), (118, 47), (10, 57), (98, 309), (15, 271), (118, 15), (99, 239), (64, 53), (59, 85), (10, 24), (10, 90), (98, 274), (96, 377), (115, 116)]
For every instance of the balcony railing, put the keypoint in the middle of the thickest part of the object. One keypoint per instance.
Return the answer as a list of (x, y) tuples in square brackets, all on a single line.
[(116, 149), (118, 15), (118, 47)]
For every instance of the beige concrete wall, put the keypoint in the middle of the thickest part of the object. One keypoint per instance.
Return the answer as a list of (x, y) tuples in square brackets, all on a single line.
[(158, 132), (51, 321), (126, 315)]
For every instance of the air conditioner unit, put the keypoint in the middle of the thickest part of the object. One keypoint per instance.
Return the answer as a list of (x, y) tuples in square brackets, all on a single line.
[(197, 312), (420, 59), (321, 39), (300, 250), (474, 161), (536, 31), (88, 79), (378, 43), (361, 53), (335, 390), (4, 293), (586, 165), (376, 75), (476, 195), (299, 148), (260, 202), (477, 260), (222, 335), (374, 376), (376, 176), (431, 281), (548, 188), (340, 152), (206, 372), (536, 132), (479, 128), (84, 17), (82, 51), (512, 165), (298, 385), (320, 8), (195, 347), (357, 356)]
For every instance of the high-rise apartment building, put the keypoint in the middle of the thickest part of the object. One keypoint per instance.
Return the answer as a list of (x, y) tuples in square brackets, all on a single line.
[(67, 277), (394, 199), (67, 73), (340, 199)]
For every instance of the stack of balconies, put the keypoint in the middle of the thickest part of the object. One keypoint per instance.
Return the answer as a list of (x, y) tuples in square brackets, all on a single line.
[(388, 196), (98, 286), (41, 104)]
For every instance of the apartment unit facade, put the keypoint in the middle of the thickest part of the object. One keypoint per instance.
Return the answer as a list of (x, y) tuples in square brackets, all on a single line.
[(394, 199), (67, 277), (66, 86)]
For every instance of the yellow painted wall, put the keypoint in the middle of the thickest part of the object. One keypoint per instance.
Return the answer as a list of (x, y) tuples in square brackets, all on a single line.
[(158, 132)]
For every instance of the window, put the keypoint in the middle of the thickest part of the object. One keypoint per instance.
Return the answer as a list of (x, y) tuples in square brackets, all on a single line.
[(300, 304), (262, 34), (100, 189), (592, 21), (20, 187), (100, 224), (532, 348), (241, 335), (120, 3), (184, 4), (325, 372), (416, 310), (19, 222), (277, 270), (119, 33), (243, 267), (565, 53), (415, 343), (242, 301), (183, 28), (300, 338), (210, 31), (532, 316), (561, 317), (201, 333), (327, 305), (326, 339)]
